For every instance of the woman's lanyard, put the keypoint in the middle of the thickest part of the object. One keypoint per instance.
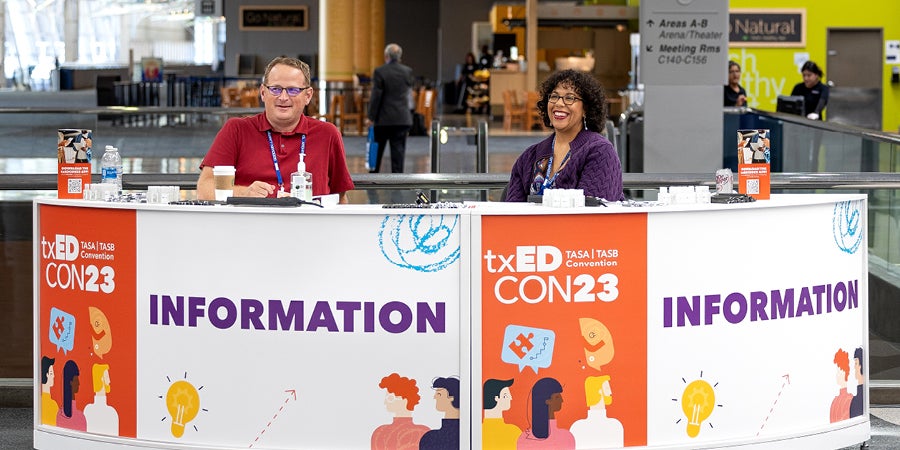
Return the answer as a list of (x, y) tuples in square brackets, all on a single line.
[(275, 158), (548, 181)]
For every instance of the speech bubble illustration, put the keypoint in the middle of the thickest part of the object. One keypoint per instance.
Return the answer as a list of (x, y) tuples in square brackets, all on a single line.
[(528, 346), (62, 329)]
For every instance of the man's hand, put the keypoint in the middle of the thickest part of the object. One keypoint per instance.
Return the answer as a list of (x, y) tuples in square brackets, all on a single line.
[(259, 189)]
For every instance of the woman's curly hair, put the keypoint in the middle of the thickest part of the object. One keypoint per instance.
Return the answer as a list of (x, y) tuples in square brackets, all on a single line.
[(585, 86)]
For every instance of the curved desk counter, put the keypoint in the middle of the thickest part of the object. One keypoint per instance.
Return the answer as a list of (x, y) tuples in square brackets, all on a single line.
[(667, 327)]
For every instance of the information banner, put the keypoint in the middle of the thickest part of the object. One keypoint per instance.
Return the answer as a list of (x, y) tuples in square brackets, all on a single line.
[(86, 327), (563, 323), (756, 325), (299, 330)]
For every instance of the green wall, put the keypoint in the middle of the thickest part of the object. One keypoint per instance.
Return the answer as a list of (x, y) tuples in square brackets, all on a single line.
[(769, 72)]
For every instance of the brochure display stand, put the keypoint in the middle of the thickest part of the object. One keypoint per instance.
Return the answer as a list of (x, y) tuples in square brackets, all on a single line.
[(754, 163)]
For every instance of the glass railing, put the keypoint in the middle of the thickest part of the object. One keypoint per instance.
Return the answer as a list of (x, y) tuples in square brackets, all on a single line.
[(813, 147), (164, 146)]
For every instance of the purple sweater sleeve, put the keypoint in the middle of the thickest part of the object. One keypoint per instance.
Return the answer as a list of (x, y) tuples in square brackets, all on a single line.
[(598, 172), (593, 166)]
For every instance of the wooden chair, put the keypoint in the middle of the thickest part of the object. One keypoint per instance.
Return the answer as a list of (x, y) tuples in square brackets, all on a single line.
[(342, 116), (312, 108), (231, 97), (425, 100), (355, 116), (249, 97), (428, 107), (335, 113), (512, 113), (532, 114)]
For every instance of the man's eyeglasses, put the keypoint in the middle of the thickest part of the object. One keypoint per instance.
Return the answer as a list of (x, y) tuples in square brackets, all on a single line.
[(291, 91), (568, 99)]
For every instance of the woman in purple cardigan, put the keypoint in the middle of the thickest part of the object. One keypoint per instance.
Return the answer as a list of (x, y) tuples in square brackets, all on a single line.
[(576, 155)]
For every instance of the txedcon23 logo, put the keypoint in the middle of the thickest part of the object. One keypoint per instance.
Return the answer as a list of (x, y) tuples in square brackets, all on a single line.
[(64, 269), (528, 275)]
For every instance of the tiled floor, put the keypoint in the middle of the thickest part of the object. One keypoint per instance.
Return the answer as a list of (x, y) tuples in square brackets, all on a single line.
[(16, 429)]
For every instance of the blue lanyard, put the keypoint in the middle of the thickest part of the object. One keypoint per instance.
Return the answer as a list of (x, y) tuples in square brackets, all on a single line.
[(275, 158), (548, 181)]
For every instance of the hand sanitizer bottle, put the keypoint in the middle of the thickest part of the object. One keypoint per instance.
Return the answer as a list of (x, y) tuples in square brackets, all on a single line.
[(301, 181)]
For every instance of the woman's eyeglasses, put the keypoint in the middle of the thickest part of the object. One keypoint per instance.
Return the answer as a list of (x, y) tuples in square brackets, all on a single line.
[(291, 91), (568, 99)]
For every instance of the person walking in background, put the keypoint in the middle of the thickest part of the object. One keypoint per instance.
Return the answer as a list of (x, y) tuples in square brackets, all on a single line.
[(735, 95), (486, 61), (389, 107), (813, 91), (465, 80)]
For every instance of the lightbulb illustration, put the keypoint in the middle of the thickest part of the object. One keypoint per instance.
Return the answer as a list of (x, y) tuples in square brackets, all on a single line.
[(697, 402), (183, 403)]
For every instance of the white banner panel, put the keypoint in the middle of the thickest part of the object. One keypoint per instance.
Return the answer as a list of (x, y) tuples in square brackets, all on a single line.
[(748, 313), (372, 295)]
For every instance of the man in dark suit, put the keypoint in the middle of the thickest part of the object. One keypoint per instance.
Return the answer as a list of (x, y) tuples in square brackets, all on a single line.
[(390, 107)]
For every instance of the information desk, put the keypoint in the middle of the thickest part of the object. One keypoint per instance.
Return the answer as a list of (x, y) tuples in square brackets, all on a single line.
[(360, 327)]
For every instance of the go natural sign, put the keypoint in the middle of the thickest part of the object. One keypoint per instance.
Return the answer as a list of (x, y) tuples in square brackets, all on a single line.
[(767, 28)]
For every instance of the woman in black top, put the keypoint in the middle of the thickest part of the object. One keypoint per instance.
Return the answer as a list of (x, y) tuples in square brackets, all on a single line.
[(735, 95), (814, 92), (465, 80)]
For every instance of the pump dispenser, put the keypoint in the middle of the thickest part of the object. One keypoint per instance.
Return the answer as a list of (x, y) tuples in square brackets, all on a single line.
[(301, 181)]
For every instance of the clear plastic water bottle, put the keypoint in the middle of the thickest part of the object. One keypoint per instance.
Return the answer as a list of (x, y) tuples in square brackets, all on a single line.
[(111, 167)]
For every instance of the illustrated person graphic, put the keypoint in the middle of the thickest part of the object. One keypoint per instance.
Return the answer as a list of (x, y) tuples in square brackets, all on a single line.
[(69, 416), (49, 407), (401, 398), (840, 406), (546, 400), (495, 432), (446, 400), (101, 334), (101, 418), (857, 405), (598, 342), (598, 430)]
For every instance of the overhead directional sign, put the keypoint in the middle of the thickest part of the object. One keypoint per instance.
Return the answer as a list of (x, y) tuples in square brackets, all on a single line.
[(684, 42)]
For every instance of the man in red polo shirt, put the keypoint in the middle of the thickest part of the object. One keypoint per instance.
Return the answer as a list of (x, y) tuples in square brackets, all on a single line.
[(265, 148)]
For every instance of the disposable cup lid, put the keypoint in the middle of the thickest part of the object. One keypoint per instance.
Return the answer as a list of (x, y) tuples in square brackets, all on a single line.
[(223, 170)]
